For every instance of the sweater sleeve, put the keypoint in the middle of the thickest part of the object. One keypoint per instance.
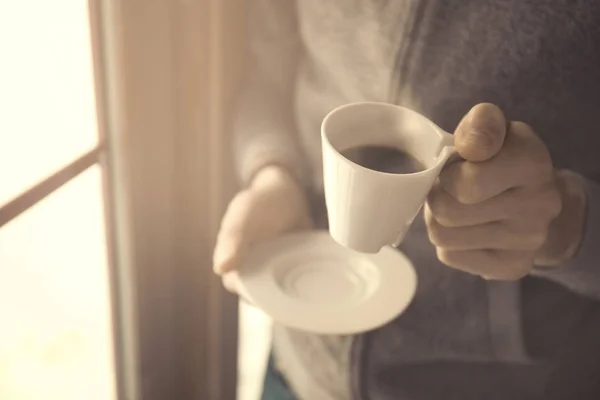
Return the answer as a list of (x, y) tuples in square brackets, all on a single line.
[(264, 132), (582, 273)]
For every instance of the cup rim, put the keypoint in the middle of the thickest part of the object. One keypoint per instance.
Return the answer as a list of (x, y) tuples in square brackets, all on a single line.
[(327, 142)]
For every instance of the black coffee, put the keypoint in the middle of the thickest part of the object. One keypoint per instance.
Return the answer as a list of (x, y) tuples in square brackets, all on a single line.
[(384, 159)]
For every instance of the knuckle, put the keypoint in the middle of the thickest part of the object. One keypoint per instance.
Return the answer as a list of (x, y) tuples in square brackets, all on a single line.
[(449, 257), (438, 235), (544, 205), (445, 256), (433, 236), (442, 210), (467, 195)]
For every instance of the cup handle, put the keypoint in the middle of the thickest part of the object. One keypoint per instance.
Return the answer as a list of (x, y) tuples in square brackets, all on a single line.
[(447, 140), (446, 151)]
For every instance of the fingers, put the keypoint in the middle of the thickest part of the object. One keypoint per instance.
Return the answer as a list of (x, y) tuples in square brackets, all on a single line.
[(519, 203), (262, 212), (229, 254), (489, 215), (492, 235), (492, 264), (232, 240), (523, 161), (480, 135)]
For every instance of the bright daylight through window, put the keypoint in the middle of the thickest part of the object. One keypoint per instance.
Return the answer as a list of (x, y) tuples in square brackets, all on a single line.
[(55, 329)]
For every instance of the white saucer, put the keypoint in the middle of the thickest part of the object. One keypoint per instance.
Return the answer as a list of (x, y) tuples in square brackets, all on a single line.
[(308, 281)]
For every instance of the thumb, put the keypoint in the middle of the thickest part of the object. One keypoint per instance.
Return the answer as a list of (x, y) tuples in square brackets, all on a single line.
[(480, 135)]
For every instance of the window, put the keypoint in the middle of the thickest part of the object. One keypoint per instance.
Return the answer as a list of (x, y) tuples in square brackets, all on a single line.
[(56, 339), (112, 158), (47, 100), (54, 280)]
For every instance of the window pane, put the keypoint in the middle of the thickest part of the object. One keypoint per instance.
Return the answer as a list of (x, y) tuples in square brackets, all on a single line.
[(55, 337), (47, 105)]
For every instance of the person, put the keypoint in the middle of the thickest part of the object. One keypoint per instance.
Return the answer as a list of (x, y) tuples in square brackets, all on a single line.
[(508, 250)]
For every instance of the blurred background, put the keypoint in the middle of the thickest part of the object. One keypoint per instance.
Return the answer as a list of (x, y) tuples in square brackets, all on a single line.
[(114, 173)]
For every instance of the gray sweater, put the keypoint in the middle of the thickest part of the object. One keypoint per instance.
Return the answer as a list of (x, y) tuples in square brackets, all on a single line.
[(462, 337)]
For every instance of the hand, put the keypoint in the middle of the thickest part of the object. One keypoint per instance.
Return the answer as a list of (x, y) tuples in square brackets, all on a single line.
[(272, 205), (491, 214)]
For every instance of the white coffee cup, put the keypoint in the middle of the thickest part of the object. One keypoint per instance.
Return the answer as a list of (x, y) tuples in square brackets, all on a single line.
[(368, 209)]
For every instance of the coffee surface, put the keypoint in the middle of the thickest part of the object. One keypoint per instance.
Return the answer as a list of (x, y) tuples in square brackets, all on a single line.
[(384, 159)]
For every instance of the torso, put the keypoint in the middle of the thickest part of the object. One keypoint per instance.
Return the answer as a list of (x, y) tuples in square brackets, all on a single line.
[(537, 59)]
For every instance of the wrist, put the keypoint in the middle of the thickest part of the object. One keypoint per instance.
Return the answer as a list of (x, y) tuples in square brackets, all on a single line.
[(277, 178), (276, 181), (566, 231)]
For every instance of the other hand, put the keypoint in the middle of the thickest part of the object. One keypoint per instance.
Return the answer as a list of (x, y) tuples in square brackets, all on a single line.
[(490, 214), (273, 204)]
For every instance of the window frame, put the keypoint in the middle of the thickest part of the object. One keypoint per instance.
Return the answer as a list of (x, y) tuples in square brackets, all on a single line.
[(159, 79)]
